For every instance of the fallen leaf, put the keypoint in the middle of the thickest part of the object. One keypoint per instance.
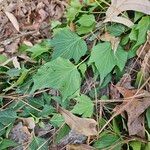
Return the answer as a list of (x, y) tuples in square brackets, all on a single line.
[(112, 39), (72, 138), (135, 106), (79, 147), (29, 122), (13, 20), (83, 126), (119, 6), (144, 53), (16, 63), (21, 135)]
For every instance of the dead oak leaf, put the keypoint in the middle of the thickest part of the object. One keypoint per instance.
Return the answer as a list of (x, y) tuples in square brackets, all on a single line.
[(119, 6), (135, 107), (83, 126)]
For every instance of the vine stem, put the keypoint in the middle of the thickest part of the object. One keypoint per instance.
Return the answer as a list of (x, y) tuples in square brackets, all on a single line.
[(82, 61)]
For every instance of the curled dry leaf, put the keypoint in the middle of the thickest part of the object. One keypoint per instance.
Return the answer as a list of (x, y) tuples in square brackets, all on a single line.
[(135, 106), (83, 126), (119, 6), (29, 122), (112, 39), (13, 20), (16, 63)]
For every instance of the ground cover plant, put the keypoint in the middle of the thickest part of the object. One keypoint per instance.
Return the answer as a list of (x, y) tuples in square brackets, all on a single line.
[(75, 74)]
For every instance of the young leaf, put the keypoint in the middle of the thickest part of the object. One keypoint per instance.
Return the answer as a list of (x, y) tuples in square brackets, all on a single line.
[(105, 59), (84, 106), (73, 9), (86, 20), (59, 74), (39, 49), (68, 45)]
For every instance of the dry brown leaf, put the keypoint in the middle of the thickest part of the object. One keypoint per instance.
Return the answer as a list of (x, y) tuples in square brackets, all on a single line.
[(16, 63), (29, 122), (119, 6), (144, 53), (79, 147), (112, 39), (13, 20), (21, 135), (83, 126), (135, 106)]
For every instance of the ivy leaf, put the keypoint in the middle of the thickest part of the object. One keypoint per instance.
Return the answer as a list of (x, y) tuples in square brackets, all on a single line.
[(105, 59), (84, 106), (59, 74), (68, 45), (86, 20)]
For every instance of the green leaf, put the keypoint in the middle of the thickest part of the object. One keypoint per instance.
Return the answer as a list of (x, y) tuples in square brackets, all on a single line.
[(137, 16), (134, 34), (7, 116), (116, 29), (106, 141), (73, 10), (86, 20), (147, 146), (59, 74), (148, 117), (83, 29), (6, 143), (62, 133), (47, 110), (57, 120), (84, 106), (39, 49), (2, 129), (142, 27), (121, 57), (3, 58), (38, 143), (68, 45), (136, 145), (105, 59)]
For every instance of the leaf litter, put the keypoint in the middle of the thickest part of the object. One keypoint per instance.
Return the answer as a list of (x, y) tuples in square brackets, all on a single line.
[(24, 24)]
